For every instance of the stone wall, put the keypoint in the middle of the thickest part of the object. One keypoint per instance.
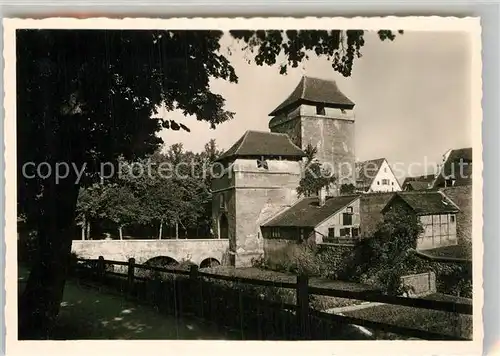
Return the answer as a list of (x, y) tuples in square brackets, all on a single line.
[(259, 195), (334, 139), (462, 196), (278, 251), (143, 250), (421, 284)]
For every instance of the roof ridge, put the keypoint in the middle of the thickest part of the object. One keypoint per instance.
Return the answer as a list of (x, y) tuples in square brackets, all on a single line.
[(284, 210), (268, 132), (354, 197), (293, 144), (374, 159), (304, 80), (243, 138), (319, 78), (449, 199)]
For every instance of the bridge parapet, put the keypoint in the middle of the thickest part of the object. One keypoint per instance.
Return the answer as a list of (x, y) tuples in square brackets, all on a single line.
[(194, 250)]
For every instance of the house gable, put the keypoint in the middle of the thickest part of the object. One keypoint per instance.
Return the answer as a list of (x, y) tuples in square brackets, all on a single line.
[(307, 219), (385, 180), (344, 224)]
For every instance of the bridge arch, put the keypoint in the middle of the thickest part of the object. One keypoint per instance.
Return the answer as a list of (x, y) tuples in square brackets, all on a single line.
[(209, 262), (162, 261)]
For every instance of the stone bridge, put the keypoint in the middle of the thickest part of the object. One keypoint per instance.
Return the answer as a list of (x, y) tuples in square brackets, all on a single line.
[(203, 252)]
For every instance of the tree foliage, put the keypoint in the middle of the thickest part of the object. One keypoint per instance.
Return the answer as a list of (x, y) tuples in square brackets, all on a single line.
[(163, 189), (346, 189), (339, 47), (314, 176), (387, 256)]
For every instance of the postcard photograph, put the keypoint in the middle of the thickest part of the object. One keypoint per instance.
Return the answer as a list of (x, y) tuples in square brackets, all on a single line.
[(269, 180)]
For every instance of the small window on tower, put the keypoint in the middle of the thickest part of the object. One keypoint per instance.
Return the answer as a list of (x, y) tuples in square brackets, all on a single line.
[(320, 110)]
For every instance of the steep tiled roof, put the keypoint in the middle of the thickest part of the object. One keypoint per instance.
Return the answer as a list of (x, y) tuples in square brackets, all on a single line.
[(258, 143), (427, 178), (371, 205), (426, 202), (308, 213), (451, 168), (367, 171), (315, 90), (417, 185)]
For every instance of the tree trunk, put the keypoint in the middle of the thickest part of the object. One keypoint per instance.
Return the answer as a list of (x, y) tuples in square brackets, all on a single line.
[(40, 302), (88, 230), (84, 227), (176, 230), (120, 232), (161, 230)]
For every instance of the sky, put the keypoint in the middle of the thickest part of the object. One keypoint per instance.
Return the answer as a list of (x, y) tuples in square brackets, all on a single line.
[(411, 95)]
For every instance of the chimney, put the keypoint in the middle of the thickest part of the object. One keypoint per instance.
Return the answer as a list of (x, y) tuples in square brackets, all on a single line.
[(322, 196)]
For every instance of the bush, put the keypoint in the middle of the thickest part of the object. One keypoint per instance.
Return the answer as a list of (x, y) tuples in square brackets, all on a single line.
[(293, 258), (453, 279), (387, 256), (305, 258)]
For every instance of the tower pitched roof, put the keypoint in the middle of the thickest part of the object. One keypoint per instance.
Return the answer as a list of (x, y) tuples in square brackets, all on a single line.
[(315, 90), (260, 143)]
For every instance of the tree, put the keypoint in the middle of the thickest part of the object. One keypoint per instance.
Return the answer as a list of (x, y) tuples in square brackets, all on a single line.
[(315, 177), (347, 189), (390, 254), (90, 206), (88, 97), (122, 207)]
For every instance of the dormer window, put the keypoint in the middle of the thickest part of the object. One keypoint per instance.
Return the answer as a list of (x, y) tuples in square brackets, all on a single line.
[(449, 182), (320, 110)]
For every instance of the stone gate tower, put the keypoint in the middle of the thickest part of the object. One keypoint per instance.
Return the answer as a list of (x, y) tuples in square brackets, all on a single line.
[(252, 181), (318, 113)]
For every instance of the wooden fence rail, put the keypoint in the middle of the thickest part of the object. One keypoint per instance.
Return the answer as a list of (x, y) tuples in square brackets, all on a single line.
[(302, 313)]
